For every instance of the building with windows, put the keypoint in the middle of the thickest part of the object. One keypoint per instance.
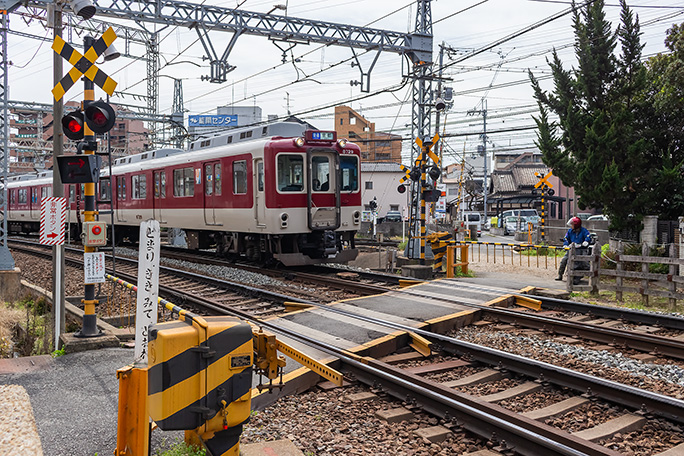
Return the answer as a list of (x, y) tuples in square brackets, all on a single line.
[(375, 146), (31, 133), (379, 182)]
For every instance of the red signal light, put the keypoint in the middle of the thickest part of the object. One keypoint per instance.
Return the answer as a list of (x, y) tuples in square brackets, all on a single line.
[(72, 125), (100, 116)]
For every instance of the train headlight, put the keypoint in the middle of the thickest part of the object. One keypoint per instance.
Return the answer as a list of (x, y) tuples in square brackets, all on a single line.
[(342, 142), (357, 217), (299, 142), (284, 218)]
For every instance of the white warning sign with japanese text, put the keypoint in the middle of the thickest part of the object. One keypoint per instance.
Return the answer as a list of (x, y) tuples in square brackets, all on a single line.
[(94, 267), (148, 286)]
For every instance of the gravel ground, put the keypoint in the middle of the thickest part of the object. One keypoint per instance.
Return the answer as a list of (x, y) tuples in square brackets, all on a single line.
[(661, 378), (327, 423)]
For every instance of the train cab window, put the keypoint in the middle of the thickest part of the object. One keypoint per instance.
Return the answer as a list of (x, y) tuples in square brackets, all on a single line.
[(184, 182), (240, 177), (121, 188), (320, 173), (290, 173), (105, 190), (139, 187), (217, 179), (349, 173), (23, 196)]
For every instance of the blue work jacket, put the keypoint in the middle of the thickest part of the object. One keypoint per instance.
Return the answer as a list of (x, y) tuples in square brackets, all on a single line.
[(578, 238)]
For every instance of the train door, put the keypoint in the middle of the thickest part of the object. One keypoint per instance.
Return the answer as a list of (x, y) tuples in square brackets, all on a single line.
[(324, 191), (34, 203), (260, 197), (159, 195), (212, 191)]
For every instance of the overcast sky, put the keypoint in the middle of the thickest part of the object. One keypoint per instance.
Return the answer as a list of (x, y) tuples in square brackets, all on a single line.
[(262, 79)]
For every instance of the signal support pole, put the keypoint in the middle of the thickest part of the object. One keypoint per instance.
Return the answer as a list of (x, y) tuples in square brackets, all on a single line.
[(58, 307), (89, 328)]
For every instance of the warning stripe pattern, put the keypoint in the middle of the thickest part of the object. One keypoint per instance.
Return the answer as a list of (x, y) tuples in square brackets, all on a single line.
[(45, 204), (84, 64)]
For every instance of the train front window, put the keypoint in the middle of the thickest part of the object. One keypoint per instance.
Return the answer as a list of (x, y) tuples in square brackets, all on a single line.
[(290, 173), (349, 173), (320, 173)]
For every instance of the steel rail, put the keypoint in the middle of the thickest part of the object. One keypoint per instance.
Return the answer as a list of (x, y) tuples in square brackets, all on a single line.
[(615, 313), (526, 436), (628, 396)]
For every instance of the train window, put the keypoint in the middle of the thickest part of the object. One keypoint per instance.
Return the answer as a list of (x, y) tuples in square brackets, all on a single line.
[(121, 188), (240, 177), (260, 176), (13, 196), (72, 194), (290, 173), (209, 184), (163, 184), (184, 182), (23, 196), (217, 178), (349, 171), (320, 173), (139, 187), (34, 195), (45, 192), (105, 190)]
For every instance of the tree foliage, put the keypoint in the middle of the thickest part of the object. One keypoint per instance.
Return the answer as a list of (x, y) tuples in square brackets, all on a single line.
[(620, 129)]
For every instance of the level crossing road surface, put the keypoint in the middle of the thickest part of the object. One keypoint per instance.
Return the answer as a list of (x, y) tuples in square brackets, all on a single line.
[(75, 396)]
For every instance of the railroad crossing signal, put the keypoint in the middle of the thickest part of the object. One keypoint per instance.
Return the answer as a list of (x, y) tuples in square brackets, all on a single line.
[(84, 65), (543, 180)]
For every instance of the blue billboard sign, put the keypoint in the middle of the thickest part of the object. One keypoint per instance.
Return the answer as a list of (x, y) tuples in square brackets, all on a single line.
[(213, 121)]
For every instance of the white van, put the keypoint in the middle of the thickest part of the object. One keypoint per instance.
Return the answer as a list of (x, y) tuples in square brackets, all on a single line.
[(472, 218), (524, 216)]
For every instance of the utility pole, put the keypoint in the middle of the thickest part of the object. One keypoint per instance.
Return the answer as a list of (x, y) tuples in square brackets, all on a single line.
[(6, 260), (58, 306), (483, 111)]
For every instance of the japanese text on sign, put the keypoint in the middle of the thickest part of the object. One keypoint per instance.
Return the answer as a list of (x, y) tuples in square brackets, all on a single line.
[(52, 220), (148, 286), (94, 267), (212, 121)]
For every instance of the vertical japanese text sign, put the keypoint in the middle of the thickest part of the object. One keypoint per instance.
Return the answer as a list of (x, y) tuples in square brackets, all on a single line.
[(148, 286)]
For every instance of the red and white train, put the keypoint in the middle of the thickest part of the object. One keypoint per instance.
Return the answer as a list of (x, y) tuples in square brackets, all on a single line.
[(276, 192)]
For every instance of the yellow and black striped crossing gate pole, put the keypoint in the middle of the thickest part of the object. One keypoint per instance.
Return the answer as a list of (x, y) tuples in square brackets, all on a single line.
[(543, 214), (89, 328)]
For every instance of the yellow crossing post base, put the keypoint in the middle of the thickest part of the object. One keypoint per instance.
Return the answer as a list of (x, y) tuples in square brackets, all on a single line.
[(133, 430), (451, 261)]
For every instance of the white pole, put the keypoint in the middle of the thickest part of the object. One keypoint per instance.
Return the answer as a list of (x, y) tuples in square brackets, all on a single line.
[(57, 299)]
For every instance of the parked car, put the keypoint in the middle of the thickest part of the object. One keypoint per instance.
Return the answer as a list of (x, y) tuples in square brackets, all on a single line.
[(510, 224), (393, 216), (600, 217)]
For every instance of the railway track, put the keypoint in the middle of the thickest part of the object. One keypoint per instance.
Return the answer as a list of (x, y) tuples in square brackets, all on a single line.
[(519, 431), (513, 430)]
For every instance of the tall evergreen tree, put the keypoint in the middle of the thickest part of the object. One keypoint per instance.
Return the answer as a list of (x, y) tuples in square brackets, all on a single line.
[(600, 145)]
